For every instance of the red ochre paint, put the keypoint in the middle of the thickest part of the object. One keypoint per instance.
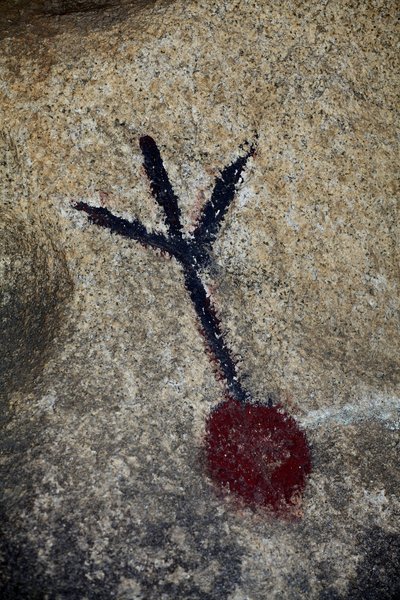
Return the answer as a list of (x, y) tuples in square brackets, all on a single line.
[(258, 453)]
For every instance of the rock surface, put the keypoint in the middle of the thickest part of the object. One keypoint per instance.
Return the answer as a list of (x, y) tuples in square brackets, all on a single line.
[(106, 386)]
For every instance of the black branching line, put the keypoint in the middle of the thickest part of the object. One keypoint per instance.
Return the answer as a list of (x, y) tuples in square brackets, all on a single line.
[(192, 252)]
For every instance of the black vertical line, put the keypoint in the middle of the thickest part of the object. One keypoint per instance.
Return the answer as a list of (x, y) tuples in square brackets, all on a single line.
[(211, 328), (160, 185)]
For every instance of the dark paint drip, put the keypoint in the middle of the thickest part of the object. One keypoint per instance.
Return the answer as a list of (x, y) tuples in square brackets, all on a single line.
[(255, 451)]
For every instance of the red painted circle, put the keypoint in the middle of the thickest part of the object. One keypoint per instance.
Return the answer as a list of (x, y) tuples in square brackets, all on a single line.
[(258, 453)]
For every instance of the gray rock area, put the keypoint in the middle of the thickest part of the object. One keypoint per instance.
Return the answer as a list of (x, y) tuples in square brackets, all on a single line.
[(105, 382)]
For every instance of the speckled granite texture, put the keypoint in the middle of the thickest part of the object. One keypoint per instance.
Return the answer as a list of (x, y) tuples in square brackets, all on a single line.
[(105, 384)]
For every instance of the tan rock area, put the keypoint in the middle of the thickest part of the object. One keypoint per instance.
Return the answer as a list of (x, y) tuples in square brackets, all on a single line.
[(105, 382)]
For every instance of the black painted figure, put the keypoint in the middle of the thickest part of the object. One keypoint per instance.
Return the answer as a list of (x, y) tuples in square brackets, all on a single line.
[(253, 450)]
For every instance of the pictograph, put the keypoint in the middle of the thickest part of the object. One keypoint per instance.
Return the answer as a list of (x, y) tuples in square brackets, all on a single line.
[(255, 451)]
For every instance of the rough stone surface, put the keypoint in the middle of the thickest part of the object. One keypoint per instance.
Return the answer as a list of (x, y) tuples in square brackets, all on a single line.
[(106, 386)]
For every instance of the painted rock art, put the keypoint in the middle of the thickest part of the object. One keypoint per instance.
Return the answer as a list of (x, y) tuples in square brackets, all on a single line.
[(255, 451)]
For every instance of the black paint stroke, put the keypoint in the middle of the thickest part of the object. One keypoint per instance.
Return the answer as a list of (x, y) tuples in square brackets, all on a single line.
[(211, 327), (160, 184), (215, 209), (191, 252), (133, 230)]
